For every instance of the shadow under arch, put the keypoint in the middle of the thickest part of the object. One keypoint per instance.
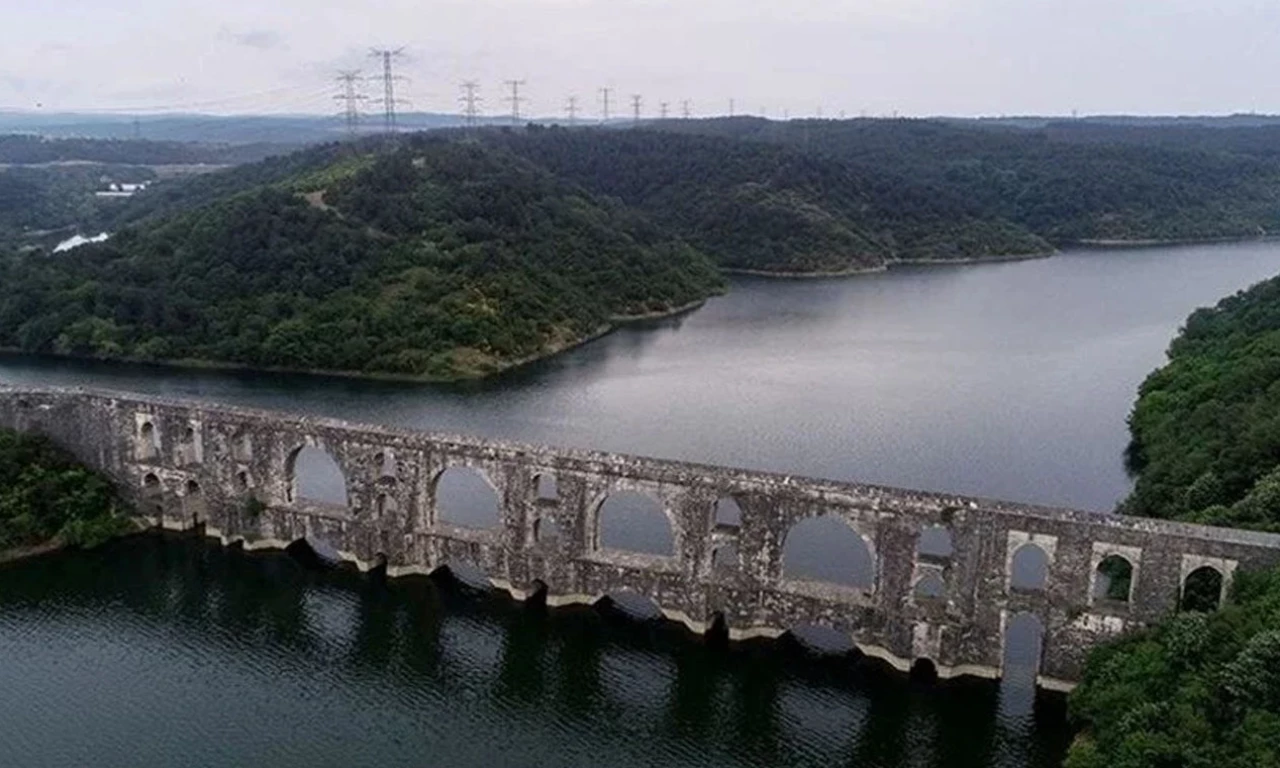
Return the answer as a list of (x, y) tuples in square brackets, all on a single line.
[(312, 474), (1201, 590), (466, 496), (634, 522), (827, 548)]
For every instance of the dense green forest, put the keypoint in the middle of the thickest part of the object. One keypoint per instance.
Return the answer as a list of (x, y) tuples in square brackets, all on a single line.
[(1197, 690), (439, 259), (1206, 427), (1066, 183), (756, 207), (47, 494), (37, 199)]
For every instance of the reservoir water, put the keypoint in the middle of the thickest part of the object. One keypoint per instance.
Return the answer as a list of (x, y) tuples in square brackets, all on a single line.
[(1008, 380)]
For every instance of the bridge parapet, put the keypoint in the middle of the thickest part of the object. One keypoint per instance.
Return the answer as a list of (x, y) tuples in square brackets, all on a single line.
[(944, 586)]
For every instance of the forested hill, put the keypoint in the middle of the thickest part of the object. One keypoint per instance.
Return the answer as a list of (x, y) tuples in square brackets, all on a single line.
[(439, 259), (770, 209), (1206, 428), (1066, 183), (24, 149)]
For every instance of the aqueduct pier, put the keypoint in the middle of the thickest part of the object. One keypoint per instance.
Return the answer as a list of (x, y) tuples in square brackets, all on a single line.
[(232, 471)]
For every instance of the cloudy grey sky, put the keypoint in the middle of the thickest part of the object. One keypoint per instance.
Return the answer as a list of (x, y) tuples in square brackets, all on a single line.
[(918, 57)]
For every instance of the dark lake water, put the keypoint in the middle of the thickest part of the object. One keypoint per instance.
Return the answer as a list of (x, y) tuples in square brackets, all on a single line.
[(1005, 380)]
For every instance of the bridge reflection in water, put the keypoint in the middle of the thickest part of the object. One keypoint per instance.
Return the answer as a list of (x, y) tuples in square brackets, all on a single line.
[(913, 578), (250, 655)]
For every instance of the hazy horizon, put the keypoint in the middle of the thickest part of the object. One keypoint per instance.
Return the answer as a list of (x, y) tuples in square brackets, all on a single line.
[(915, 58)]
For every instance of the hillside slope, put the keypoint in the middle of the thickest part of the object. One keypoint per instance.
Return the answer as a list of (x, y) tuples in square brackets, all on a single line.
[(768, 209), (1065, 184), (438, 260), (1206, 427)]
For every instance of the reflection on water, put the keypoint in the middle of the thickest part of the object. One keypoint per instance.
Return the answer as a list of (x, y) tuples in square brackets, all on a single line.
[(157, 652), (1007, 380)]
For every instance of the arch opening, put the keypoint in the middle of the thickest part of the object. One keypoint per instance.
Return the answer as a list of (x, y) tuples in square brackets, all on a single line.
[(1029, 569), (935, 541), (151, 487), (384, 505), (923, 670), (631, 605), (194, 502), (821, 639), (1202, 590), (930, 587), (545, 530), (386, 462), (728, 513), (1113, 579), (717, 634), (725, 558), (188, 451), (634, 522), (242, 447), (148, 441), (464, 497), (315, 476), (242, 480), (547, 490), (827, 549)]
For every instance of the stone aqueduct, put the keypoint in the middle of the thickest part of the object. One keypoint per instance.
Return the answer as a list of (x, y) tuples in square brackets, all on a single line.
[(189, 464)]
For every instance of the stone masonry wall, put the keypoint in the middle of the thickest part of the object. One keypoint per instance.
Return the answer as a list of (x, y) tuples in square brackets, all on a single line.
[(190, 464)]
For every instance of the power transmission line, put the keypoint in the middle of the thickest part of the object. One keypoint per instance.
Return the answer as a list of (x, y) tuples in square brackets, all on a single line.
[(351, 99), (636, 101), (515, 98), (686, 109), (604, 113), (731, 104), (389, 79), (662, 109), (571, 109), (470, 99)]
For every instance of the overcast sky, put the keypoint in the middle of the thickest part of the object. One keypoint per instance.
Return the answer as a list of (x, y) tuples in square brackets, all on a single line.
[(917, 57)]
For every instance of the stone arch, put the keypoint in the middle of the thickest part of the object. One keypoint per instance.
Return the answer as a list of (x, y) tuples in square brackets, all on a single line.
[(725, 557), (545, 529), (1113, 579), (935, 541), (242, 446), (728, 512), (194, 503), (931, 586), (466, 497), (1022, 646), (546, 487), (635, 522), (151, 485), (384, 504), (822, 639), (189, 446), (148, 440), (923, 669), (631, 604), (1202, 590), (827, 548), (313, 474), (385, 460), (1029, 568)]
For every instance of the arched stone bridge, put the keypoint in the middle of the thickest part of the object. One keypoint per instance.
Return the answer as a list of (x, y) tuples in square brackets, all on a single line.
[(187, 464)]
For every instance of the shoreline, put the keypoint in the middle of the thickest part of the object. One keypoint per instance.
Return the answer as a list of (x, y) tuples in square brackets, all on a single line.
[(1121, 244), (613, 324), (18, 554), (888, 265)]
